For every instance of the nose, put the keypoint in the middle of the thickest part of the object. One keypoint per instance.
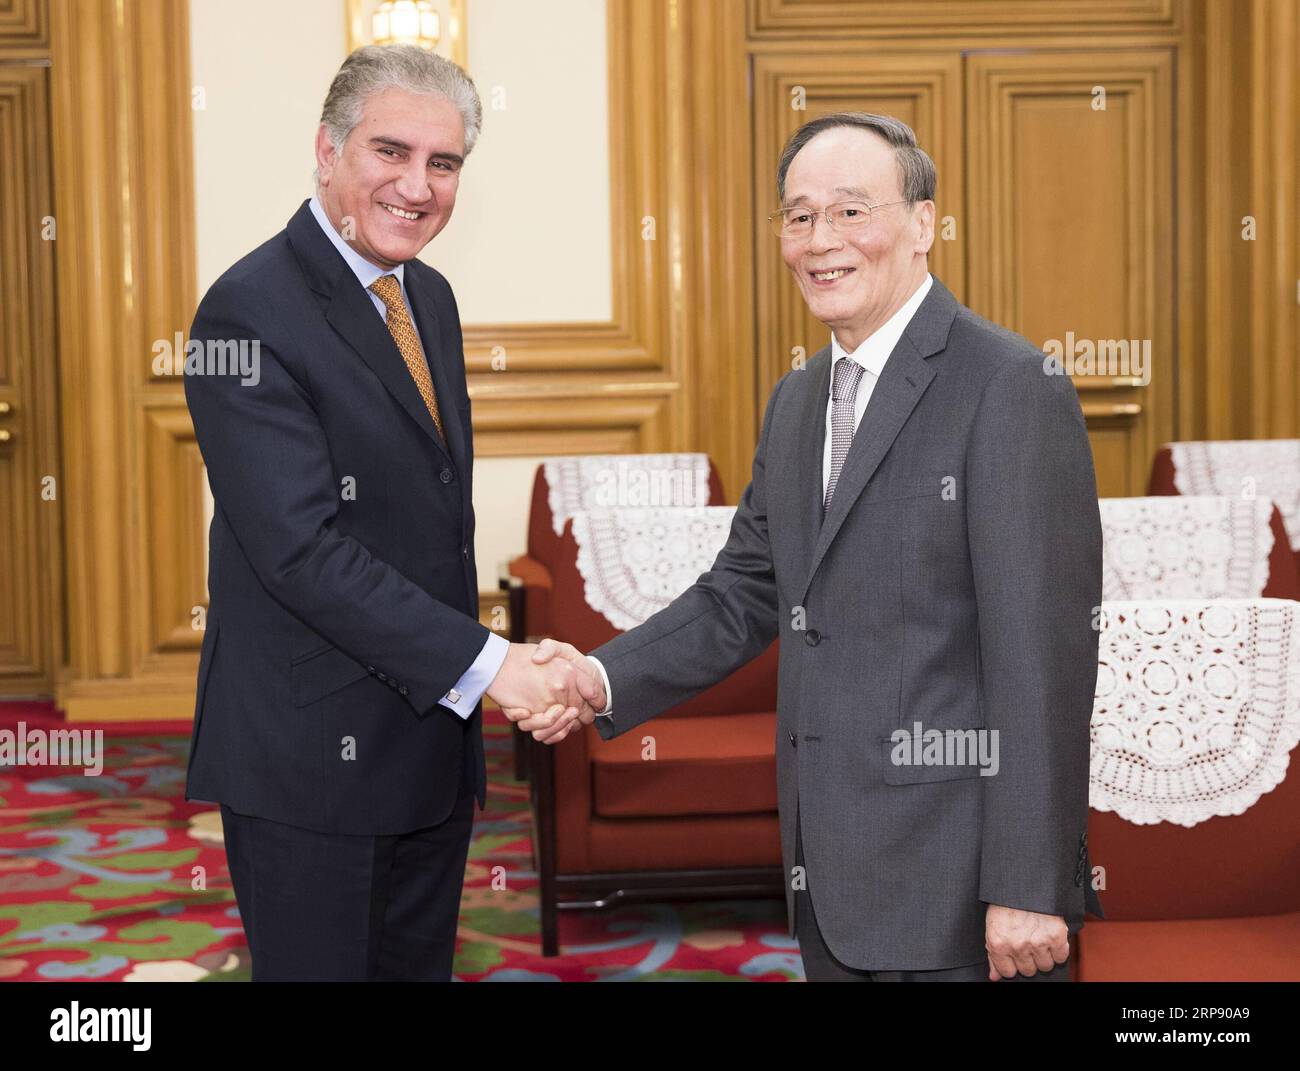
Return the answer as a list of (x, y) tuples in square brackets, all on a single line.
[(823, 237), (413, 183)]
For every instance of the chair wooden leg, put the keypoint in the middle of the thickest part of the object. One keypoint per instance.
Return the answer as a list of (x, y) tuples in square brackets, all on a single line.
[(515, 599), (542, 765), (521, 755)]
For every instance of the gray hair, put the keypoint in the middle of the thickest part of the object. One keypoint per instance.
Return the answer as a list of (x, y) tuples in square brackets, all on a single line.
[(916, 174), (374, 68)]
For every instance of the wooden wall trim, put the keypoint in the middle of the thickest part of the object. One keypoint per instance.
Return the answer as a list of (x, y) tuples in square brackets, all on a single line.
[(30, 525), (24, 29), (126, 276), (866, 19), (678, 350), (635, 352), (1274, 298)]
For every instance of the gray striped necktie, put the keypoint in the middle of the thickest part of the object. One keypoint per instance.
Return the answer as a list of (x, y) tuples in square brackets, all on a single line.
[(848, 374)]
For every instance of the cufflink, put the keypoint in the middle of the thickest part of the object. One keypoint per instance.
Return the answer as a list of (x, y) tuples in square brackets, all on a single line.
[(453, 696)]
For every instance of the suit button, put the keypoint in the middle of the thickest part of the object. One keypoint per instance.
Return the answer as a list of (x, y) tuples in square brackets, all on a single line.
[(794, 740), (812, 637), (445, 476), (464, 551), (370, 670), (403, 689), (381, 676)]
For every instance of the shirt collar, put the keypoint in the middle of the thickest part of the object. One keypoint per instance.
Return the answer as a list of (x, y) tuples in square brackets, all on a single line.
[(876, 348), (365, 272)]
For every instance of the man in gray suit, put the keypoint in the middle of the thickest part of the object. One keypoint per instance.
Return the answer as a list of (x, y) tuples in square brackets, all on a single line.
[(921, 533)]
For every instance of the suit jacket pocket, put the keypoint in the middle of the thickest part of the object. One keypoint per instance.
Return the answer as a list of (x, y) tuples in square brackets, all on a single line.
[(897, 774), (927, 483), (319, 673)]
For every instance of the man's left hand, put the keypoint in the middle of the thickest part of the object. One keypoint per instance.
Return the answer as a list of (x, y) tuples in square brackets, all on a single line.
[(1023, 942)]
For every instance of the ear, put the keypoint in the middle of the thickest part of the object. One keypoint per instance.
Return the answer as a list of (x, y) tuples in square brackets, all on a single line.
[(924, 223), (326, 155)]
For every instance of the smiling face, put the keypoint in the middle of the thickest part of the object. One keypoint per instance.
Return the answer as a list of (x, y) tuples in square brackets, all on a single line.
[(396, 175), (853, 282)]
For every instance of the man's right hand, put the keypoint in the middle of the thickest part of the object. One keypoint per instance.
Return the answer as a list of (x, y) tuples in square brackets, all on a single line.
[(553, 724), (524, 684)]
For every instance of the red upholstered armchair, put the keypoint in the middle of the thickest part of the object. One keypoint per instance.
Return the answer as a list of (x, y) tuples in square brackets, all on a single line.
[(1195, 817), (699, 818)]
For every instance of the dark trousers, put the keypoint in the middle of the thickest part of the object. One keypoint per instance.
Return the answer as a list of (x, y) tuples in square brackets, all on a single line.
[(319, 907), (820, 965)]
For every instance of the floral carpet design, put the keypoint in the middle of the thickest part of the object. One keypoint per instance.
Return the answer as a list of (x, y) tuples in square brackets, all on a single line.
[(117, 878)]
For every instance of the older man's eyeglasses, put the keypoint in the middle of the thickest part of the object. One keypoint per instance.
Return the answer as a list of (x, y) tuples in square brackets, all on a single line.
[(842, 216)]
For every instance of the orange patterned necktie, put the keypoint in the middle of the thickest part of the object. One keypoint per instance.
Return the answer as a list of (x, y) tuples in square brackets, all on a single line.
[(389, 291)]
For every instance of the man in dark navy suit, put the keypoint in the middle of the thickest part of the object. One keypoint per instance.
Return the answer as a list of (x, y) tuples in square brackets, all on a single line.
[(338, 715)]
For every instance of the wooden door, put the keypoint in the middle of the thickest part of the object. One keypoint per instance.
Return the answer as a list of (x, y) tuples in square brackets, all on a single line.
[(30, 550), (1071, 195)]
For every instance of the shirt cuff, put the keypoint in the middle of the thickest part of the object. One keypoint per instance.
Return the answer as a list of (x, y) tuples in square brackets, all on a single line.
[(609, 692), (466, 693)]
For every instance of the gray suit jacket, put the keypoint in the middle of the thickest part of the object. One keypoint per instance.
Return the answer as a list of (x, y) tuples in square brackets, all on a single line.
[(952, 583)]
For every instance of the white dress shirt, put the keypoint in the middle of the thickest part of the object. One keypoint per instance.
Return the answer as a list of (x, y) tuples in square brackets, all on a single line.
[(483, 670), (872, 355)]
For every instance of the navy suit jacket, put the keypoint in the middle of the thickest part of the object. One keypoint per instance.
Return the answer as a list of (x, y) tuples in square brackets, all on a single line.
[(343, 592)]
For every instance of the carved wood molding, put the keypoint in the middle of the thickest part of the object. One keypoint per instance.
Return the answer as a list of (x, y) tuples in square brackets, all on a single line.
[(126, 274), (29, 518), (682, 318), (24, 28), (913, 18)]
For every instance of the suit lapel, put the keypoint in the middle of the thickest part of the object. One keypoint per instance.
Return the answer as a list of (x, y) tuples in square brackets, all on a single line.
[(902, 382), (352, 314), (812, 417)]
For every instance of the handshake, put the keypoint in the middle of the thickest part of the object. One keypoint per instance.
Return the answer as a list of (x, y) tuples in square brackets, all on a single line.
[(548, 689)]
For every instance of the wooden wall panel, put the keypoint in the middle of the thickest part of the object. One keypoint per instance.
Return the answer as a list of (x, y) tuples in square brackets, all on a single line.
[(1071, 235), (636, 351), (123, 168), (175, 535), (971, 18), (1275, 201), (24, 28), (30, 565)]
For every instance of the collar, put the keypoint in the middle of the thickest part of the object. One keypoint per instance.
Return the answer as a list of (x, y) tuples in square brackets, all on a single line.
[(876, 348), (365, 272)]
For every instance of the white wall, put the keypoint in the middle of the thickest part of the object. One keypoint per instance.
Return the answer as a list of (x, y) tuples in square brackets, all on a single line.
[(264, 68), (530, 238)]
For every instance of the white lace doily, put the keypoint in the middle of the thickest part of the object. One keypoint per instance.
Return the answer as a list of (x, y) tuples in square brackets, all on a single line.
[(1174, 547), (624, 481), (1197, 707), (634, 562), (1244, 469)]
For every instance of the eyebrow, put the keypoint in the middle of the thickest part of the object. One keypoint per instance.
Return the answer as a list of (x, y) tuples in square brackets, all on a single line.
[(856, 192), (395, 143)]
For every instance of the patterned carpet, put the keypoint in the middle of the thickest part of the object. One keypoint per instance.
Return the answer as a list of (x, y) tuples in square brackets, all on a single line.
[(116, 878)]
